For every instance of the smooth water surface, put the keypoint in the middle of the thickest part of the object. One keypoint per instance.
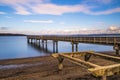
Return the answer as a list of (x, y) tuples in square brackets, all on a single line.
[(17, 47)]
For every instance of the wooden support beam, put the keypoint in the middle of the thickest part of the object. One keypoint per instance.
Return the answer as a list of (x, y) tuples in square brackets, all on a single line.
[(106, 70), (76, 47), (96, 70), (43, 44), (113, 58), (88, 64), (72, 47), (56, 46)]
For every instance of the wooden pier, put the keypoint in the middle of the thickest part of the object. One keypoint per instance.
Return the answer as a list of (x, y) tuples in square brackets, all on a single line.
[(42, 41), (74, 56)]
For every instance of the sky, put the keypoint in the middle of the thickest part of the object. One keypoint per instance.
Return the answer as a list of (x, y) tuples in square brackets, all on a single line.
[(60, 16)]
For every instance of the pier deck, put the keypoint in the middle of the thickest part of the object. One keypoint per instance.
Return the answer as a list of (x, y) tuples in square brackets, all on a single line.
[(112, 41)]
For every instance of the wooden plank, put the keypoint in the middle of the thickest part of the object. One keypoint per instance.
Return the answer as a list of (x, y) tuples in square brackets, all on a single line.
[(88, 64), (96, 70), (113, 58)]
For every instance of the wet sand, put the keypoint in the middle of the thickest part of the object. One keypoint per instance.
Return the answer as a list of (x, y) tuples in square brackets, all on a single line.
[(45, 68)]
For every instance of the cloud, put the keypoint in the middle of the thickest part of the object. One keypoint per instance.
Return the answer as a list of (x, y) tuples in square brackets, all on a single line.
[(39, 21), (113, 28), (21, 10), (28, 7), (110, 11), (109, 30), (57, 9), (21, 6), (16, 2), (2, 13)]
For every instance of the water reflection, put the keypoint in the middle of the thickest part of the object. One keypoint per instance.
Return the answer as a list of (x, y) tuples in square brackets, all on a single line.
[(41, 49)]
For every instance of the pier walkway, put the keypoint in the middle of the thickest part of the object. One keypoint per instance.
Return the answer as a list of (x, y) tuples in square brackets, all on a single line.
[(112, 41)]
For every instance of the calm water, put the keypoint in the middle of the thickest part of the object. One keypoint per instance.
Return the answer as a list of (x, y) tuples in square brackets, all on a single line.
[(17, 47)]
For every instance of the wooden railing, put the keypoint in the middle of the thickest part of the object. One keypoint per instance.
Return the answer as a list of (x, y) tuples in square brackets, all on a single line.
[(96, 40)]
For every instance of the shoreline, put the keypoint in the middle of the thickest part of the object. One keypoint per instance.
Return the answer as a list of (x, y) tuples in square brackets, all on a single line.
[(104, 52), (46, 68)]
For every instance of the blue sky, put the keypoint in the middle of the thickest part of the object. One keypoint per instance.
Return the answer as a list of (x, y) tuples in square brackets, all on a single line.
[(59, 16)]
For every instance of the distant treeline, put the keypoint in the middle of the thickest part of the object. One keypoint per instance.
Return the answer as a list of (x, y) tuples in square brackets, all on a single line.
[(9, 34)]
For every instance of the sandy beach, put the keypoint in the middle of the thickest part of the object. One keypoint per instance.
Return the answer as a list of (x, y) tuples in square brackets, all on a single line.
[(46, 68)]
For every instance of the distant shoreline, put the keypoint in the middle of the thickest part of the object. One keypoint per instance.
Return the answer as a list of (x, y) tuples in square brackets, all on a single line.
[(92, 35), (8, 34)]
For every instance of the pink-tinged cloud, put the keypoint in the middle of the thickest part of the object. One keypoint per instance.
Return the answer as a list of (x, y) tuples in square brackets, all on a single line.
[(27, 7), (21, 10), (57, 9)]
